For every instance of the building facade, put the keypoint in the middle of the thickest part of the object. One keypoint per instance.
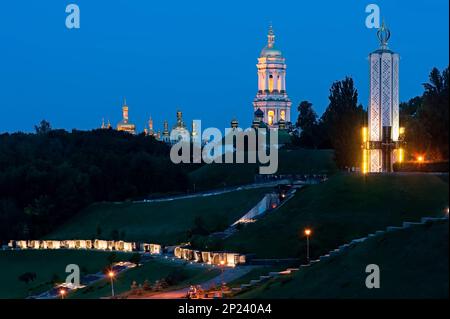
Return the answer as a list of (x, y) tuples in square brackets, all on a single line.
[(272, 99)]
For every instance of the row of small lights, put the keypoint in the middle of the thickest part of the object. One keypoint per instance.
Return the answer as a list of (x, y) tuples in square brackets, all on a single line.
[(307, 232)]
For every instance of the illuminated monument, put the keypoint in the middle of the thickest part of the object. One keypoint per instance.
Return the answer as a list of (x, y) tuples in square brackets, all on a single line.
[(381, 139), (125, 125), (272, 99)]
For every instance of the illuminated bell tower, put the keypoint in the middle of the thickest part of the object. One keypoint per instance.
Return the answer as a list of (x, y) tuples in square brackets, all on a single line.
[(125, 124), (382, 147), (272, 98)]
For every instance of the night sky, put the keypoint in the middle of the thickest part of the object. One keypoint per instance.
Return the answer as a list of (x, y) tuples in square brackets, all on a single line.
[(197, 56)]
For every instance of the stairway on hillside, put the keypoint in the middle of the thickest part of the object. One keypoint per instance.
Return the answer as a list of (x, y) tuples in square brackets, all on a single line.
[(337, 251)]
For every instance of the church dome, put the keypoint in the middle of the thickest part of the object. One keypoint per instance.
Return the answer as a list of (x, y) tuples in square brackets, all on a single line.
[(270, 50)]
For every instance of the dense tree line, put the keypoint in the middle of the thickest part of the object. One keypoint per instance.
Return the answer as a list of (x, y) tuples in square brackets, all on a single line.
[(339, 127), (425, 119), (47, 177)]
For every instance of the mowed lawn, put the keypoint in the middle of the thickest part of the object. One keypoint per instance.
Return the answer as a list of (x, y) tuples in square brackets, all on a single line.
[(48, 265), (413, 263), (150, 271), (163, 222), (344, 208), (300, 161)]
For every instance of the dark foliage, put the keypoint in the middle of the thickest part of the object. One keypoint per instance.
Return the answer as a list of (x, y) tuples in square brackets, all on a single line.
[(27, 277), (47, 177), (338, 128), (426, 117)]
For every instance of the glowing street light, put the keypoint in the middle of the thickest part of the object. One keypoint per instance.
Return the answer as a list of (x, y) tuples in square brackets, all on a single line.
[(222, 265), (420, 159), (307, 234), (62, 293), (111, 275)]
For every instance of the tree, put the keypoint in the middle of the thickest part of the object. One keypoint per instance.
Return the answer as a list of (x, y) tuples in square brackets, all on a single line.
[(98, 231), (27, 277), (307, 118), (43, 128), (416, 138), (342, 122), (112, 258), (135, 258), (307, 122), (434, 115), (115, 234)]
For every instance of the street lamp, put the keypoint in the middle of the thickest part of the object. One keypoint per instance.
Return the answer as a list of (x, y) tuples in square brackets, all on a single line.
[(111, 276), (307, 234), (222, 265), (62, 293)]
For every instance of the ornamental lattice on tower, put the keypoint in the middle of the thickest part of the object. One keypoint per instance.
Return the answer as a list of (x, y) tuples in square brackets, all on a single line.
[(272, 99), (382, 140)]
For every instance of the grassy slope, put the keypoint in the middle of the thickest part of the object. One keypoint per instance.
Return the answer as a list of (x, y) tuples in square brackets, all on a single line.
[(413, 264), (343, 208), (151, 271), (45, 264), (300, 161), (164, 222)]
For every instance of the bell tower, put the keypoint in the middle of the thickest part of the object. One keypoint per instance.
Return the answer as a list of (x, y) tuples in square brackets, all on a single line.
[(272, 98)]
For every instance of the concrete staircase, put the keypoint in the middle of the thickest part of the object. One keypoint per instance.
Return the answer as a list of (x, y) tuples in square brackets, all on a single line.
[(337, 251)]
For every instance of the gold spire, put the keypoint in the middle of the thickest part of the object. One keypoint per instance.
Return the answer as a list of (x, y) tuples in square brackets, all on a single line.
[(166, 128), (270, 37), (383, 35)]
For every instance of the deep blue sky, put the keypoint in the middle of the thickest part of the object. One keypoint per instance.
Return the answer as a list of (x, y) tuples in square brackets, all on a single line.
[(198, 56)]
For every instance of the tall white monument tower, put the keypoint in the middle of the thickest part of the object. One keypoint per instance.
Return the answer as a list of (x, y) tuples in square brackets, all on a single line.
[(381, 138), (272, 98)]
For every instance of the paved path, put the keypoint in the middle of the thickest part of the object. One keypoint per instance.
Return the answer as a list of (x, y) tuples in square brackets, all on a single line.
[(229, 274), (214, 192)]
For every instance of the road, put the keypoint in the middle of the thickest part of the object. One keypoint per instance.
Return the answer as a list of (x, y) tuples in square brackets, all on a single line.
[(214, 192), (229, 274)]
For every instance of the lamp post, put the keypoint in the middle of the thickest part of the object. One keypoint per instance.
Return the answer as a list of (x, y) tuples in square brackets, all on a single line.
[(111, 276), (307, 233), (222, 265), (62, 293)]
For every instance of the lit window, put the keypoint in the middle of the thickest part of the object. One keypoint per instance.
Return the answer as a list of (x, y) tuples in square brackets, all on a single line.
[(270, 83), (270, 117)]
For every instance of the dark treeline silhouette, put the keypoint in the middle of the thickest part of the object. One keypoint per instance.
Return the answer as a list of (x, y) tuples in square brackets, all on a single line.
[(425, 119), (338, 128), (47, 177)]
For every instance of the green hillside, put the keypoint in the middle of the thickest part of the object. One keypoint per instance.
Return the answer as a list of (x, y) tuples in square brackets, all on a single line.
[(413, 264), (343, 208), (162, 222), (47, 265), (301, 161), (151, 271)]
